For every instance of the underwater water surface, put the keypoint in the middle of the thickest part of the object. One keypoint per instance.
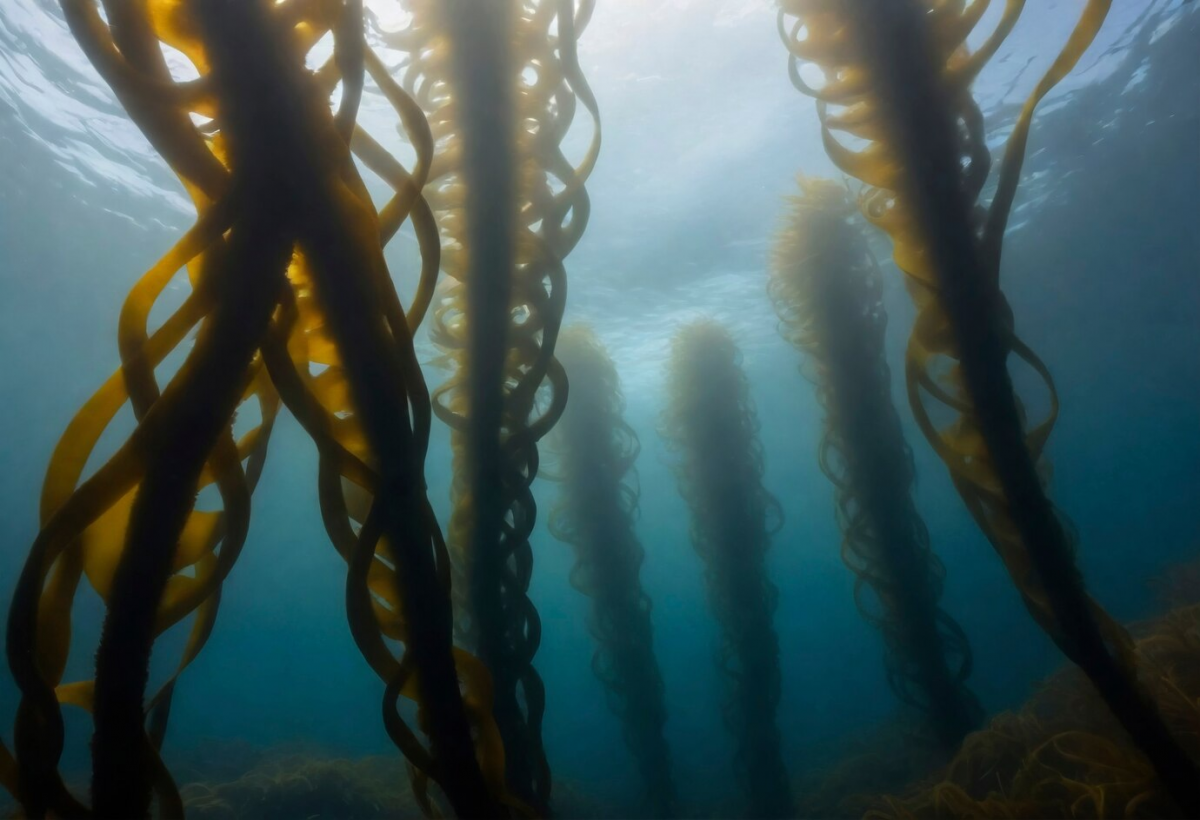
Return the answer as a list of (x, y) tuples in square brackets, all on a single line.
[(703, 138)]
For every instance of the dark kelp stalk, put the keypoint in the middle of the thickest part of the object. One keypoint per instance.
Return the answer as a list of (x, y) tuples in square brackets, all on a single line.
[(897, 75), (710, 423), (501, 83), (293, 302), (827, 290), (595, 450)]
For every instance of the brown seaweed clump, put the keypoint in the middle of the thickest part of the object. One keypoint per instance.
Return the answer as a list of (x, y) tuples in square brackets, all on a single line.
[(1063, 754)]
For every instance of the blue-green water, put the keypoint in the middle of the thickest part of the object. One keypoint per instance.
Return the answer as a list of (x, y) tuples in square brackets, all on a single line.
[(703, 137)]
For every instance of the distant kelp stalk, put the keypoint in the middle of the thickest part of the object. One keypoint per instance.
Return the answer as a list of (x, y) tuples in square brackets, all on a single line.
[(501, 84), (710, 424), (895, 80), (292, 302), (595, 450), (827, 290)]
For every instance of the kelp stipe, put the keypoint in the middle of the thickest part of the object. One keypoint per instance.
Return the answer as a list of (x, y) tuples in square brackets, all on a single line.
[(897, 75), (595, 450), (710, 423), (287, 273), (827, 291), (511, 207)]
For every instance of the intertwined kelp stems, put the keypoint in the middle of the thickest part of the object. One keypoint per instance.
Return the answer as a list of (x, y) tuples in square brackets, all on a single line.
[(504, 622), (827, 290), (282, 215), (594, 454), (710, 423), (501, 84), (254, 69), (916, 116)]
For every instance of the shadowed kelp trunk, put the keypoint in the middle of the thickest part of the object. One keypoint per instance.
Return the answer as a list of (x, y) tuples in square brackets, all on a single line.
[(501, 83), (827, 291), (596, 513), (711, 424)]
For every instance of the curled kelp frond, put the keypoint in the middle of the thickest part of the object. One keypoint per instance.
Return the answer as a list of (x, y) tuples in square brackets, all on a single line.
[(595, 450), (711, 425), (826, 289)]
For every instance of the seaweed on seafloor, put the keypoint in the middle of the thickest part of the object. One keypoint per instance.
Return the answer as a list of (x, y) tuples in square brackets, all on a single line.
[(896, 112), (285, 784), (1063, 754), (827, 291), (710, 424), (594, 451), (1178, 586), (501, 84), (230, 780), (842, 778), (293, 304)]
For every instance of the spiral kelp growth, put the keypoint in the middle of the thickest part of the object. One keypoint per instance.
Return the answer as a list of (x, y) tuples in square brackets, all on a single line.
[(896, 80), (594, 451), (710, 423), (1062, 754), (827, 291), (293, 303), (511, 206)]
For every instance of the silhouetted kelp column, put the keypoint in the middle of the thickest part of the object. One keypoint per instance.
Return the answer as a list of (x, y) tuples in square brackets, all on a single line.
[(595, 452), (827, 291), (286, 270), (710, 423), (501, 84), (897, 75)]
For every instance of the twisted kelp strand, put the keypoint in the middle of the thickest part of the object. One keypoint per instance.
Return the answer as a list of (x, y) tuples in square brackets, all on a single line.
[(710, 422), (595, 450), (510, 206), (827, 291), (897, 75)]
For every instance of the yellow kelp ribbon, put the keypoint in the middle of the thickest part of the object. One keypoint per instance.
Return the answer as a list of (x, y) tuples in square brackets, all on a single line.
[(88, 524), (816, 32)]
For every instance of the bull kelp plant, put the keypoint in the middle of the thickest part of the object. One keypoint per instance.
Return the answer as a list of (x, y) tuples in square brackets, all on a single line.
[(711, 424), (292, 302), (897, 113), (595, 450), (827, 290), (501, 84)]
